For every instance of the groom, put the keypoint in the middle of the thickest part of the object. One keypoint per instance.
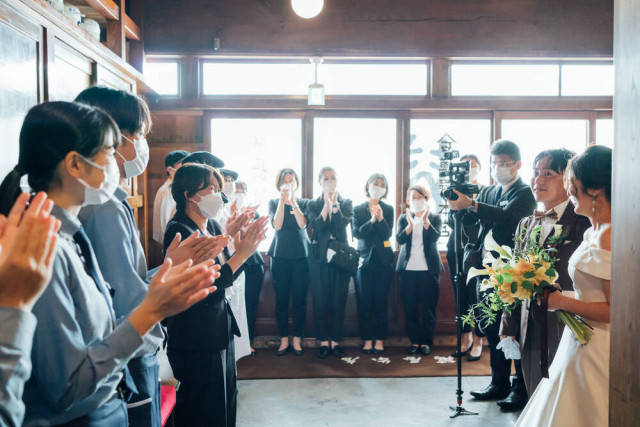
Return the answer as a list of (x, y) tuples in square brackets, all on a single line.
[(548, 188)]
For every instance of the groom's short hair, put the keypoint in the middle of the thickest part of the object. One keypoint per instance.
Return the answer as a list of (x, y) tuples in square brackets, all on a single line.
[(559, 158)]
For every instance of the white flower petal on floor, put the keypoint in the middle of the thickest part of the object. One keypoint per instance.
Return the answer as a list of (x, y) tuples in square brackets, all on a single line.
[(412, 359)]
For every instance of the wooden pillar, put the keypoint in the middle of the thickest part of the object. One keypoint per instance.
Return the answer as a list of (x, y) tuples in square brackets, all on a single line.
[(624, 395), (136, 47), (116, 37)]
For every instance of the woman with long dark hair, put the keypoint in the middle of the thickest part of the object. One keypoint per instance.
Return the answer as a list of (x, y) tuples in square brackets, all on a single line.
[(80, 353)]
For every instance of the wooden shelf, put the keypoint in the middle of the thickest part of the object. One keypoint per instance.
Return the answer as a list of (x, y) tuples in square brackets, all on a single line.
[(107, 10)]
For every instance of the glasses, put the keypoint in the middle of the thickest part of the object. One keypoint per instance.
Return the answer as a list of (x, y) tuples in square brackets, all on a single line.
[(501, 164)]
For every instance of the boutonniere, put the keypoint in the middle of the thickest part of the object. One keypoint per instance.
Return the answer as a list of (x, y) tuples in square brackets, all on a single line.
[(555, 238)]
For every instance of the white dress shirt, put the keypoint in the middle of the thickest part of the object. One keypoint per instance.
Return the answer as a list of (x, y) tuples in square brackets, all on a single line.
[(163, 209), (548, 223)]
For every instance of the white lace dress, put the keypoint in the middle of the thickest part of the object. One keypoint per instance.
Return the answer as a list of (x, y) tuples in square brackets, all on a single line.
[(577, 390)]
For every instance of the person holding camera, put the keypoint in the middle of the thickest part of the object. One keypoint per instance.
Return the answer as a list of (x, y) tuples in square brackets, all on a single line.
[(419, 268), (372, 225), (471, 337), (498, 208), (329, 216), (289, 266)]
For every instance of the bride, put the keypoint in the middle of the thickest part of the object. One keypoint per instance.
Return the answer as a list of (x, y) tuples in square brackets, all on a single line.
[(577, 390)]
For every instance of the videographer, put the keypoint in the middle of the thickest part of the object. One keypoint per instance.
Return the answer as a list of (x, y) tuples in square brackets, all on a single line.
[(471, 340), (498, 208)]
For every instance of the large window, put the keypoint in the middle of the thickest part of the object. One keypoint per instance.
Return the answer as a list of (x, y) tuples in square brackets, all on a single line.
[(504, 79), (257, 149), (293, 78), (162, 76), (355, 148), (604, 132), (536, 135), (587, 80)]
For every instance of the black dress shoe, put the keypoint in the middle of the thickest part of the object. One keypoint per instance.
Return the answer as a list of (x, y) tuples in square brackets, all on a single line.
[(471, 358), (378, 351), (425, 349), (282, 352), (413, 349), (455, 353), (367, 350), (323, 352), (338, 351), (491, 392), (513, 402)]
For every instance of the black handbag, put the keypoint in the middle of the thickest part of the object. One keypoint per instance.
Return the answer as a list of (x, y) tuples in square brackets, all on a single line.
[(345, 258)]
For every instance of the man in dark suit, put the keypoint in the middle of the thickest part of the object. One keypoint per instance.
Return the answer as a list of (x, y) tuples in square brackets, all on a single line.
[(548, 187), (499, 208)]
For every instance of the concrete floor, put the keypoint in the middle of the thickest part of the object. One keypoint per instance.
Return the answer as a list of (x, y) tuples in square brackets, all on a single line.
[(370, 402)]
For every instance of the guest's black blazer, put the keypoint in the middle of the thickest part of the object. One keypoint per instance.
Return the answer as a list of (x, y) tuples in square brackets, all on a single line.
[(430, 238), (209, 325), (291, 241), (373, 236), (324, 229)]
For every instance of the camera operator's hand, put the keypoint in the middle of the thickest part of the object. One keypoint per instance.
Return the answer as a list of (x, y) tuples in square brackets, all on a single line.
[(463, 202)]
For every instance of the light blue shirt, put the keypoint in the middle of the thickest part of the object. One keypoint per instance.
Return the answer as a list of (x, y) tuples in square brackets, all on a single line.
[(16, 336), (77, 354), (116, 241)]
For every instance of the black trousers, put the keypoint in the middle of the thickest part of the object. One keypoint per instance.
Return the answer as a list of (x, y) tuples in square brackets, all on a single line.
[(420, 291), (144, 407), (254, 277), (330, 287), (290, 276), (209, 401), (372, 290), (467, 292)]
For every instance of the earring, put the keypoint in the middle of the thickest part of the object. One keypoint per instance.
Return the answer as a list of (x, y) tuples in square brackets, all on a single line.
[(593, 206)]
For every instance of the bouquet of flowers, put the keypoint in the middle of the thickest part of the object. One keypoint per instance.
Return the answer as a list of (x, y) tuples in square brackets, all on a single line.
[(518, 275)]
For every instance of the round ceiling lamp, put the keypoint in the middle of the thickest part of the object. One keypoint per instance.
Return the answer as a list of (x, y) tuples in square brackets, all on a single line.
[(307, 8)]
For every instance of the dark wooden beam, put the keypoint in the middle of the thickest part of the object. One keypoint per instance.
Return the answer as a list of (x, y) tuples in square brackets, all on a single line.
[(116, 38)]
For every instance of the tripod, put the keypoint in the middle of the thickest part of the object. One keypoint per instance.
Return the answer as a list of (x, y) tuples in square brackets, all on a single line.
[(457, 283)]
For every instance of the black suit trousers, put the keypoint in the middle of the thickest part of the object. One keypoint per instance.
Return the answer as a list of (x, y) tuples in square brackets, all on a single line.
[(290, 276), (420, 291), (254, 277), (372, 289), (212, 401), (330, 287)]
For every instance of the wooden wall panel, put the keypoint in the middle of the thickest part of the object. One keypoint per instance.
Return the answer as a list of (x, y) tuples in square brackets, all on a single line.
[(384, 27), (625, 298), (19, 70)]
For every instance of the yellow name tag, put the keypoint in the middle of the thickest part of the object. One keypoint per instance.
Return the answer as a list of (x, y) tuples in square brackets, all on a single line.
[(387, 244)]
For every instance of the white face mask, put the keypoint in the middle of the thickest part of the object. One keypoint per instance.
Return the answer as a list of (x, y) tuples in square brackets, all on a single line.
[(329, 185), (376, 192), (418, 205), (136, 166), (286, 187), (473, 173), (239, 199), (210, 205), (100, 195), (502, 175), (229, 188)]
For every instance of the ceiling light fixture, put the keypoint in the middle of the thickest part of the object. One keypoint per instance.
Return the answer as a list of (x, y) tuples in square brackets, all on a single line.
[(307, 9), (316, 90)]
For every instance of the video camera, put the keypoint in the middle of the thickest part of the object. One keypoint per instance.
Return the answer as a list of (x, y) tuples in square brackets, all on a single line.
[(453, 175)]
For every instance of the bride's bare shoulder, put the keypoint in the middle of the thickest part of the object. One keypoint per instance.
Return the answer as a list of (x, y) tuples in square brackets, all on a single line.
[(603, 238)]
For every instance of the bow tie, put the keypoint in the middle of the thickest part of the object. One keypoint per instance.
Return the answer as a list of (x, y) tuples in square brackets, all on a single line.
[(551, 214)]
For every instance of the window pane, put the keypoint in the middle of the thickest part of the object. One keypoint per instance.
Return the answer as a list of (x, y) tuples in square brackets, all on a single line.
[(162, 77), (373, 79), (504, 80), (356, 148), (256, 79), (587, 80), (257, 149), (604, 132), (471, 136), (534, 136)]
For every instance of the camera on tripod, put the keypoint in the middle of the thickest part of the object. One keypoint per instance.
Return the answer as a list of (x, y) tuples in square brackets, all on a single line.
[(458, 177)]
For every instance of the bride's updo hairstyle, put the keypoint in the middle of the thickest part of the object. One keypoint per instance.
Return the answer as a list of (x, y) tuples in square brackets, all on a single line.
[(592, 169)]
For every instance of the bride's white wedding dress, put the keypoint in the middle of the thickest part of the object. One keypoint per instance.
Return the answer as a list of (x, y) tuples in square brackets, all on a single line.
[(577, 390)]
